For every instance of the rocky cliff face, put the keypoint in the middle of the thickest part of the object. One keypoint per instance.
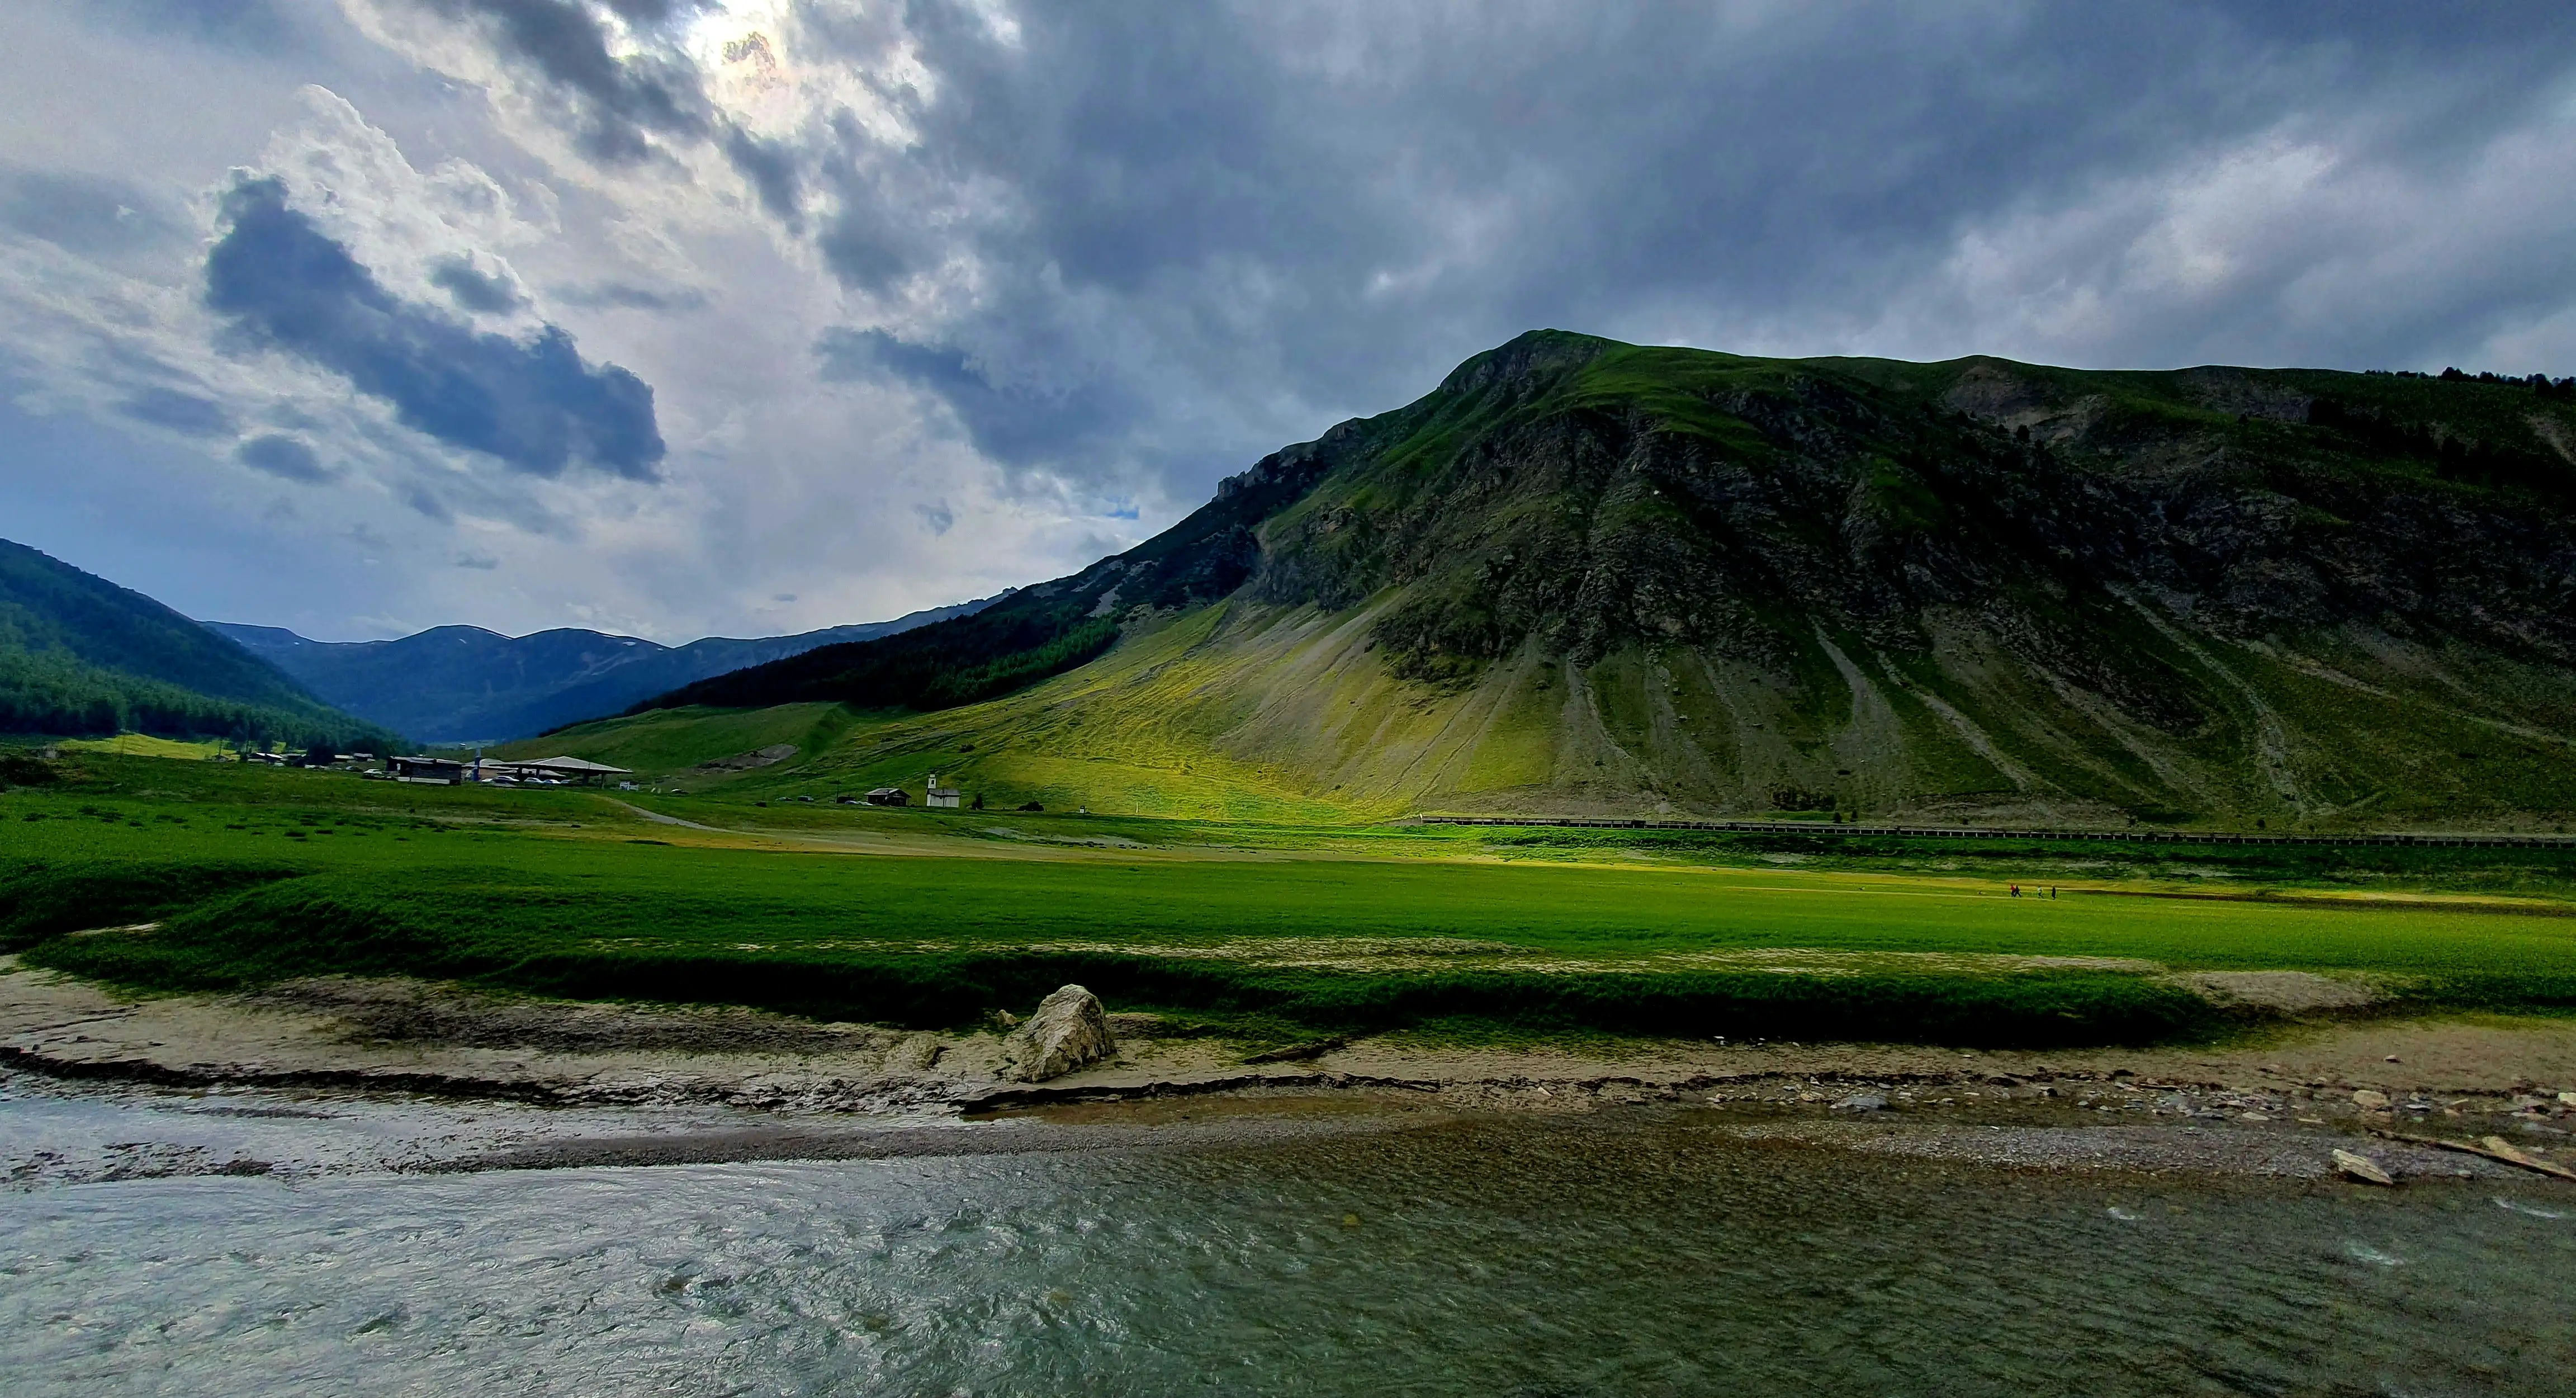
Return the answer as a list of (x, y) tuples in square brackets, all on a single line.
[(1589, 496), (1767, 584)]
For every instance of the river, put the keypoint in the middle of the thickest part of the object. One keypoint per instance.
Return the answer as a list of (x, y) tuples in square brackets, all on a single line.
[(1318, 1252)]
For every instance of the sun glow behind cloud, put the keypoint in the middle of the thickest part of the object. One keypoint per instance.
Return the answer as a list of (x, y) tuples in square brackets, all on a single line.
[(753, 56)]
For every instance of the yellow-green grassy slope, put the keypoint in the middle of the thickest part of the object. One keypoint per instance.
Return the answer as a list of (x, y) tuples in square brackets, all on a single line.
[(660, 742), (1264, 713)]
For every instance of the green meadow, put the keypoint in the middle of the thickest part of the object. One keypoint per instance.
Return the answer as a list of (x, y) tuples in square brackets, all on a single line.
[(1269, 933)]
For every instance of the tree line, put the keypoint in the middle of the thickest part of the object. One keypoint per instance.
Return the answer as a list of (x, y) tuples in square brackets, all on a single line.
[(54, 695)]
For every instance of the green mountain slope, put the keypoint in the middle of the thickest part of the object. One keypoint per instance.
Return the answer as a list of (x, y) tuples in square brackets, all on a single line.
[(1585, 577), (80, 655), (1035, 632)]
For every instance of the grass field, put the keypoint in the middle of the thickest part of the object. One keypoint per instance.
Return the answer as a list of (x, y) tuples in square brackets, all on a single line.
[(1267, 931), (145, 745)]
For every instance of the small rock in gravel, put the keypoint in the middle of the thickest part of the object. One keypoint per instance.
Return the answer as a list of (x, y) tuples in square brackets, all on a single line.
[(914, 1054), (2361, 1167), (2373, 1101)]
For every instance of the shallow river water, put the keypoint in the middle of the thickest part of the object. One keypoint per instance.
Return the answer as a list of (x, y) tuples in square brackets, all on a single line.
[(1621, 1253)]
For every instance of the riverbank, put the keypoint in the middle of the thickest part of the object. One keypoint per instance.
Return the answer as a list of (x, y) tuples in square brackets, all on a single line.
[(784, 1088)]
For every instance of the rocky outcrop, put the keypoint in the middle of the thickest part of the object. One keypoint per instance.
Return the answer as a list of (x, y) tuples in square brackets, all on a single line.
[(1070, 1030), (1732, 506)]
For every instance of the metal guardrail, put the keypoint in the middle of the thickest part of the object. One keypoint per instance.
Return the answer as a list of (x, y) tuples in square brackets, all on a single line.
[(1948, 832)]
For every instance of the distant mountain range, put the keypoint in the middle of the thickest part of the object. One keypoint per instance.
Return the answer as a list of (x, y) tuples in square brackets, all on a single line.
[(456, 684), (80, 656)]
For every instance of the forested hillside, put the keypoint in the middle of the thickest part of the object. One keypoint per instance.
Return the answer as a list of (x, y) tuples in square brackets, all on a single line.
[(81, 656)]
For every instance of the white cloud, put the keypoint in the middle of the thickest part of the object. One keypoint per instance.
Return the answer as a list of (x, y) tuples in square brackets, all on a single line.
[(404, 224), (2282, 248)]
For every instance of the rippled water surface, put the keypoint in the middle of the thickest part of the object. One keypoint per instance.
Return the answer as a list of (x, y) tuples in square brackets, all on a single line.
[(1651, 1256)]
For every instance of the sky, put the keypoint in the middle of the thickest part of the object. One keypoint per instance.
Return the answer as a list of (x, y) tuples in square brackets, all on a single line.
[(742, 317)]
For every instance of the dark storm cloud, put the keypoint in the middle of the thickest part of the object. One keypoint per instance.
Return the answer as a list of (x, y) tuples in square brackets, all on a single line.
[(283, 457), (1016, 424), (1632, 156), (868, 243), (620, 103), (876, 233), (533, 405), (771, 168), (475, 289)]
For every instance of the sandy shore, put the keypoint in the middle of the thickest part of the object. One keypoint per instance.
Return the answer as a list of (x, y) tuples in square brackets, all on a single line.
[(786, 1088)]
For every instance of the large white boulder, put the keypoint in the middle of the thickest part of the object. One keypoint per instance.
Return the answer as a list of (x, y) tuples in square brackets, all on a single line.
[(1069, 1031)]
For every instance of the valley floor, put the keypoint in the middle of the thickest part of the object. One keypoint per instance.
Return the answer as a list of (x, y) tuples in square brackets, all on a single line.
[(323, 906)]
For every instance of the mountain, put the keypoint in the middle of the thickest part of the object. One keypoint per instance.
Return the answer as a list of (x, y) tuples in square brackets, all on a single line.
[(81, 656), (1587, 577), (465, 684)]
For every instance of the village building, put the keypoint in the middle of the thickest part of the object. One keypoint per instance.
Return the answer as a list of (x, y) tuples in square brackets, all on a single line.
[(941, 797), (567, 771), (433, 771), (574, 769), (889, 796)]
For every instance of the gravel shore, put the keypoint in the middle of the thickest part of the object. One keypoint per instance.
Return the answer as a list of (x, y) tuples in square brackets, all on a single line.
[(610, 1084)]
